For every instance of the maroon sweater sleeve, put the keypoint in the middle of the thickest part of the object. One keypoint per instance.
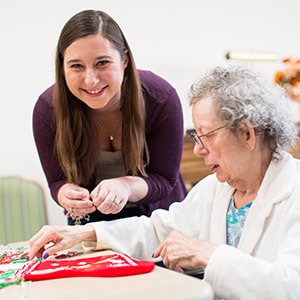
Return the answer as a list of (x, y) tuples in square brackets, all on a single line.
[(164, 133), (44, 128)]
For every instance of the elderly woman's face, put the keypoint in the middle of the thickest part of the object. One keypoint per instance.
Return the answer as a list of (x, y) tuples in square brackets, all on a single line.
[(223, 151)]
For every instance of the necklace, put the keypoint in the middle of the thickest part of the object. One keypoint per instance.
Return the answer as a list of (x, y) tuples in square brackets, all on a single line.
[(111, 134)]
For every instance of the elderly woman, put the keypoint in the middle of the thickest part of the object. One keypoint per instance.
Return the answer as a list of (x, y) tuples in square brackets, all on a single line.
[(242, 223)]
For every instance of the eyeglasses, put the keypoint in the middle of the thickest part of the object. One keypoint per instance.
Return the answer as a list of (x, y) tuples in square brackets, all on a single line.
[(198, 138)]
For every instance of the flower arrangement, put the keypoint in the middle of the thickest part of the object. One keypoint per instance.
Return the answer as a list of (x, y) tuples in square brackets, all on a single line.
[(289, 78)]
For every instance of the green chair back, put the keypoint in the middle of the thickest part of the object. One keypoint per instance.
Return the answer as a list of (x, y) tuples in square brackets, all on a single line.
[(22, 209)]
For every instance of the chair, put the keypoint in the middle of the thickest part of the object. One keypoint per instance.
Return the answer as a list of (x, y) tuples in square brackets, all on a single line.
[(22, 209)]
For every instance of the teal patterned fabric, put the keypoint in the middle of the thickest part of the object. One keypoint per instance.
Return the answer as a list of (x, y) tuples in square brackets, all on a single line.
[(22, 209), (235, 220)]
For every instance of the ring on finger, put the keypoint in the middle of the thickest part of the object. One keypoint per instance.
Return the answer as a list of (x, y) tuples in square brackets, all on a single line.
[(115, 202)]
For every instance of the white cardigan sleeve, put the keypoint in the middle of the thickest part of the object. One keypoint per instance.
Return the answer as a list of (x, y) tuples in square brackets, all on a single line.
[(140, 236)]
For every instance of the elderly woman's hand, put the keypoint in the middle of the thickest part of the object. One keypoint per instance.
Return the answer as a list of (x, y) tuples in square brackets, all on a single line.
[(51, 239), (182, 252)]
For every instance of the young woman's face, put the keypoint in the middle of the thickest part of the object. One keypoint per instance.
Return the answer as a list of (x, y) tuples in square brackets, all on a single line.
[(94, 71)]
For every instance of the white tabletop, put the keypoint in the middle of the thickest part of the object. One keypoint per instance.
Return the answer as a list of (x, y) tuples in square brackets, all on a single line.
[(159, 284)]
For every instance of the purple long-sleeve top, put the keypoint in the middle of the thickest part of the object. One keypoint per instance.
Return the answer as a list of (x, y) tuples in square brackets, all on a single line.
[(164, 135)]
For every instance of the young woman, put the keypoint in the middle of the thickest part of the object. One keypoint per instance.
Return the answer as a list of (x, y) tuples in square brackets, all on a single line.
[(109, 136)]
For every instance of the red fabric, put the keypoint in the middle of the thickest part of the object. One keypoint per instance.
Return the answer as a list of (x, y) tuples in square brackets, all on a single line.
[(101, 266)]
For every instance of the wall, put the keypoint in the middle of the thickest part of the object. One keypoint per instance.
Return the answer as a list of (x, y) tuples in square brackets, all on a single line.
[(177, 39)]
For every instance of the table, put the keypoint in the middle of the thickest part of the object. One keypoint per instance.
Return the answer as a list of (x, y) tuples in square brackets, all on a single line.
[(160, 284)]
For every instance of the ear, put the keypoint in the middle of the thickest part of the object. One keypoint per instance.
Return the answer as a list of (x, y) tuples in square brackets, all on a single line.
[(126, 59), (249, 135)]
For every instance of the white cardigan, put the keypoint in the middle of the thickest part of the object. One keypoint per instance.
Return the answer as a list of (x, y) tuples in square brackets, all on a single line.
[(266, 264)]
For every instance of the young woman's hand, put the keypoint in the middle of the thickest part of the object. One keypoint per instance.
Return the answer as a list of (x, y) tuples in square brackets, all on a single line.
[(111, 195), (75, 199)]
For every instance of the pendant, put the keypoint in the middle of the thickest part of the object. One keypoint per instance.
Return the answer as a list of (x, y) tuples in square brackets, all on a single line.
[(111, 137)]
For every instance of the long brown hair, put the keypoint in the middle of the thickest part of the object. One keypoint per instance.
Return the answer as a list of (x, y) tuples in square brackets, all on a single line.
[(76, 143)]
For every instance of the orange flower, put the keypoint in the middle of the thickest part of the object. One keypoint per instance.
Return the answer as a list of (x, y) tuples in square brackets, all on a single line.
[(278, 76), (294, 81), (286, 60), (289, 78)]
